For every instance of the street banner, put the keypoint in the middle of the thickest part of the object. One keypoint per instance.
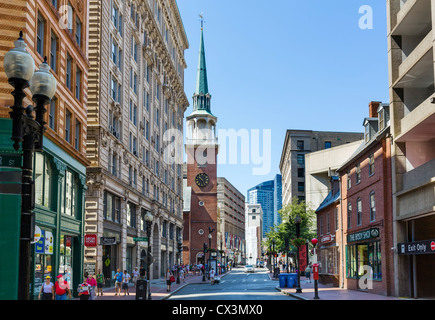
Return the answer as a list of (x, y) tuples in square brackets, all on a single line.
[(303, 257)]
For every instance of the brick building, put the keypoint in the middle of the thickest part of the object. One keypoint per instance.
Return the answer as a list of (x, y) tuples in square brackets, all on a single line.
[(57, 30), (366, 207)]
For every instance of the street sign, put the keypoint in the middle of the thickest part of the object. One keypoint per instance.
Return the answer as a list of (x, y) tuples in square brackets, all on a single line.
[(140, 239), (13, 161), (416, 247)]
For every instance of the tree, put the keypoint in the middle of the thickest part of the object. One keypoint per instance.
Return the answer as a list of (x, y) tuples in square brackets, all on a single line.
[(287, 229)]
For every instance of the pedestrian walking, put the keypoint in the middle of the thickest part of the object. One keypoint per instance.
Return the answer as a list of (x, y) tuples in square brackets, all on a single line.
[(100, 283), (84, 289), (47, 290), (169, 279), (118, 282), (92, 285), (135, 275), (61, 288), (125, 279), (142, 273), (182, 275), (212, 274), (308, 273)]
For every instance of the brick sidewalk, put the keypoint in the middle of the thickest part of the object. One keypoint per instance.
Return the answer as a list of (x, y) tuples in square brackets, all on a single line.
[(158, 289), (328, 292)]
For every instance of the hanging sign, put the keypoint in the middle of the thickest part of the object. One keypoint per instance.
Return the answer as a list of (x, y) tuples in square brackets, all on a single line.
[(40, 244), (48, 245)]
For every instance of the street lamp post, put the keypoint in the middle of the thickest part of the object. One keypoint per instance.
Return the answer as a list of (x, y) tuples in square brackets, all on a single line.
[(180, 248), (19, 67), (210, 231), (149, 220), (298, 221)]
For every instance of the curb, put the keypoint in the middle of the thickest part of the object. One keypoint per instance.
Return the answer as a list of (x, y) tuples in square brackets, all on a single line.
[(187, 284), (290, 294)]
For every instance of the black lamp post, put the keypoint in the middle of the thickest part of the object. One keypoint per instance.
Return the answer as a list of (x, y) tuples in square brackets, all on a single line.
[(210, 231), (149, 220), (20, 69), (298, 221), (273, 258), (180, 248)]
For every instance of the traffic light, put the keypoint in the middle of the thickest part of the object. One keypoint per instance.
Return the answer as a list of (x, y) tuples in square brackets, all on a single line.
[(205, 247)]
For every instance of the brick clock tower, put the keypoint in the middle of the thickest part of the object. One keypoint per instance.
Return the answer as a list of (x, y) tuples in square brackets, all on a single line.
[(201, 149)]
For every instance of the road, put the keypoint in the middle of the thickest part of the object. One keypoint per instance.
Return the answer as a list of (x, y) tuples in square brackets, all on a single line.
[(235, 286)]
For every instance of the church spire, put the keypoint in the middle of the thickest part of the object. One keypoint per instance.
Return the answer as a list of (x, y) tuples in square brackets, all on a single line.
[(201, 97)]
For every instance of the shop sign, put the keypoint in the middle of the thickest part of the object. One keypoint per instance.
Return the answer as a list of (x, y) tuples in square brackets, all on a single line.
[(327, 238), (48, 245), (89, 268), (416, 247), (90, 240), (40, 244), (37, 235), (107, 241), (363, 235)]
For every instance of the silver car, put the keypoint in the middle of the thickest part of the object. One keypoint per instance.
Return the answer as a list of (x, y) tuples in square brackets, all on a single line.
[(249, 268)]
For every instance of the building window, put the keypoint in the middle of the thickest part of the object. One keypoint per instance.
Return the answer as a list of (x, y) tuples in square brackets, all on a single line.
[(70, 194), (68, 117), (300, 145), (53, 52), (358, 173), (349, 181), (77, 135), (301, 172), (321, 225), (68, 71), (78, 83), (40, 29), (301, 186), (360, 255), (372, 207), (328, 224), (336, 218), (112, 207), (358, 212), (52, 114), (371, 164), (42, 178), (301, 159), (78, 34), (349, 215), (328, 144)]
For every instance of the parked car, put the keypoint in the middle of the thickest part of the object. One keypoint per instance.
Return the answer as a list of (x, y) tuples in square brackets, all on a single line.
[(249, 268), (260, 264)]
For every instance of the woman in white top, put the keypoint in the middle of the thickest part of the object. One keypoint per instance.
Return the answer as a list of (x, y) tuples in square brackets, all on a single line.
[(47, 290)]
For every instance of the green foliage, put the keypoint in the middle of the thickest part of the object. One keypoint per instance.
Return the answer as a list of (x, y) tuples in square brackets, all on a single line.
[(287, 229)]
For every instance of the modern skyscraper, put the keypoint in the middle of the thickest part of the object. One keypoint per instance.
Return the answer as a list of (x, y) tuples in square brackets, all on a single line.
[(269, 195)]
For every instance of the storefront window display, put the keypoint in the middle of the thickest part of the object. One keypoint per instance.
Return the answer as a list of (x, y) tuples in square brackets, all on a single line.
[(328, 260), (66, 261), (43, 258), (363, 255)]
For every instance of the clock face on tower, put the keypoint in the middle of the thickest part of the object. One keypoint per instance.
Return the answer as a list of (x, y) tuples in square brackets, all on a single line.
[(202, 180)]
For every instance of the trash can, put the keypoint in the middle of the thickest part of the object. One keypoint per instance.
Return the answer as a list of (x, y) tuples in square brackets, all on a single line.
[(282, 280), (142, 289), (292, 280)]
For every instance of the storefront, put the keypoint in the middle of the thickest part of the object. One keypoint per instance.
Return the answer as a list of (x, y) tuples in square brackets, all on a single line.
[(59, 206), (328, 259), (364, 261), (110, 260)]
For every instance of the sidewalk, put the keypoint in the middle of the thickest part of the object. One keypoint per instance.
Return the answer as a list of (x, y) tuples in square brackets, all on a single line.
[(328, 292), (158, 289)]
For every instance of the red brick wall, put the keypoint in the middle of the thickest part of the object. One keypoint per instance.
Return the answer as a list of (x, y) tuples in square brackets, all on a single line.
[(380, 183)]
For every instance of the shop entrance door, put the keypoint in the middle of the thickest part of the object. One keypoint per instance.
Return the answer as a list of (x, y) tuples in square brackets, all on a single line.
[(362, 263)]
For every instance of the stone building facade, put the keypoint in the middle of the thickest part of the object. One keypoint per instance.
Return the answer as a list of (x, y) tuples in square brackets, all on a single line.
[(231, 221), (136, 97), (297, 143), (412, 92)]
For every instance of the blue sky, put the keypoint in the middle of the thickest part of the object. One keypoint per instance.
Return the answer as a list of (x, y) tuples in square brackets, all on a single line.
[(286, 64)]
